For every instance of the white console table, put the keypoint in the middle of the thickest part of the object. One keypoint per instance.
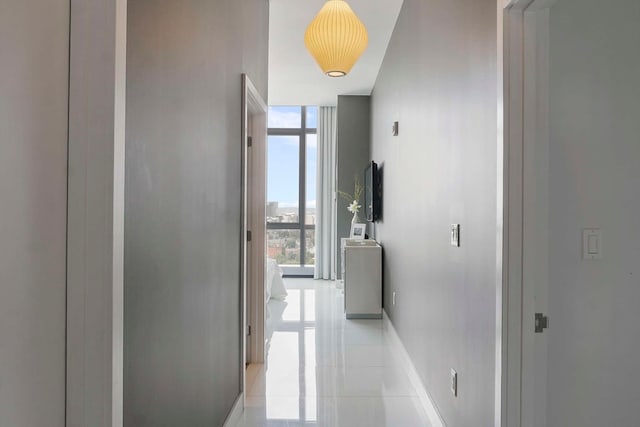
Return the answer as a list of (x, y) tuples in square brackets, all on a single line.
[(362, 274)]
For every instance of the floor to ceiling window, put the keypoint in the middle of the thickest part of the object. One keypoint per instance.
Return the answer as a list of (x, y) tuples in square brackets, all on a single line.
[(291, 188)]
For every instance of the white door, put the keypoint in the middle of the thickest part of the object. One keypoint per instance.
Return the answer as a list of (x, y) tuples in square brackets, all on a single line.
[(249, 249), (254, 132)]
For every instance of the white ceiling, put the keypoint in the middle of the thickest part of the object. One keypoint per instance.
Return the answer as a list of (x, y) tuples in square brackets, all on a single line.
[(294, 76)]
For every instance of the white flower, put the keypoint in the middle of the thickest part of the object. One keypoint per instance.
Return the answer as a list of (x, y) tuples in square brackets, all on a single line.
[(354, 207)]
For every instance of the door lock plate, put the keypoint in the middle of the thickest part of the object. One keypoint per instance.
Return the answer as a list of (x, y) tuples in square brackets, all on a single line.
[(542, 323)]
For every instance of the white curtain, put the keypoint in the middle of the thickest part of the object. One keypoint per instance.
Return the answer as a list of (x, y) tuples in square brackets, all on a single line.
[(326, 195)]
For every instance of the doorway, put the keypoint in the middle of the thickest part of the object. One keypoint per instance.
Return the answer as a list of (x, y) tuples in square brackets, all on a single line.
[(291, 188)]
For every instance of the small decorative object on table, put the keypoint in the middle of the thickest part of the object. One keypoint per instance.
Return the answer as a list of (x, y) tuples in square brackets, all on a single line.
[(358, 231), (353, 208), (353, 200)]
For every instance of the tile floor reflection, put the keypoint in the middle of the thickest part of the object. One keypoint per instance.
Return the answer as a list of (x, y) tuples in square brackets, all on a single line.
[(325, 370)]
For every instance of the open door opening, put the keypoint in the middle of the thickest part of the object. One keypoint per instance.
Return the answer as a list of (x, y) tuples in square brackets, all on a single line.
[(291, 188)]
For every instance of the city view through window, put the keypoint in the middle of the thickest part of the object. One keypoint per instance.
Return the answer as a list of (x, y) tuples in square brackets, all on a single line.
[(291, 184)]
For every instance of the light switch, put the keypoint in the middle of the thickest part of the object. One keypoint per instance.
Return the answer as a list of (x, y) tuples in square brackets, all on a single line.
[(591, 243)]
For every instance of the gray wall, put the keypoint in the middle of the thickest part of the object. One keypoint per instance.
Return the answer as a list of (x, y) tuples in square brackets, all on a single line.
[(353, 137), (182, 208), (438, 79), (594, 334), (34, 53)]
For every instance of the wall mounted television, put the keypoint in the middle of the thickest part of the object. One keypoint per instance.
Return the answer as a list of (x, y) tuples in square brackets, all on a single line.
[(372, 193)]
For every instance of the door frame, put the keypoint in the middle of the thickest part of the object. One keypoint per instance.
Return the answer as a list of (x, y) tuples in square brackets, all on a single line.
[(95, 213), (254, 126), (523, 126)]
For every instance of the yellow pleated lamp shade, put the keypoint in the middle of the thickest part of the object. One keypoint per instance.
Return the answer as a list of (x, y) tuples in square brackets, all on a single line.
[(336, 38)]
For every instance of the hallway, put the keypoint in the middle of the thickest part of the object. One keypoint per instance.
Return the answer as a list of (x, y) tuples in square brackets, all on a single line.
[(325, 370)]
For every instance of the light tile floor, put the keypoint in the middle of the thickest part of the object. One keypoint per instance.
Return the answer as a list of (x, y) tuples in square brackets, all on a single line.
[(325, 370)]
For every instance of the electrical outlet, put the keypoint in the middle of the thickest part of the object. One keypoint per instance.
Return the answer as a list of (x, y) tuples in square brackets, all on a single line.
[(454, 383), (393, 298)]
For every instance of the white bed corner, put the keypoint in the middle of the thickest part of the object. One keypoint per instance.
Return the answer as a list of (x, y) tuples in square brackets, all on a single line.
[(275, 286)]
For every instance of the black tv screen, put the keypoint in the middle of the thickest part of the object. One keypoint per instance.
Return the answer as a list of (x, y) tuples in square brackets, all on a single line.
[(372, 193)]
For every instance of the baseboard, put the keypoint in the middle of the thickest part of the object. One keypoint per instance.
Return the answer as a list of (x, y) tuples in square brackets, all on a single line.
[(397, 346), (236, 412)]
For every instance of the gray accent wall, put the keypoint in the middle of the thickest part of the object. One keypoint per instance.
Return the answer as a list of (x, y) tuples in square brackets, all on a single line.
[(439, 80), (34, 88), (183, 205), (353, 135), (593, 340)]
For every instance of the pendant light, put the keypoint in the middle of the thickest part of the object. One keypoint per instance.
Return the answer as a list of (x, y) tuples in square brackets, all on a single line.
[(336, 38)]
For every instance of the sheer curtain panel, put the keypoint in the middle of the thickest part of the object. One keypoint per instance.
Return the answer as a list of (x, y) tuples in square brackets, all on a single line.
[(325, 267)]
